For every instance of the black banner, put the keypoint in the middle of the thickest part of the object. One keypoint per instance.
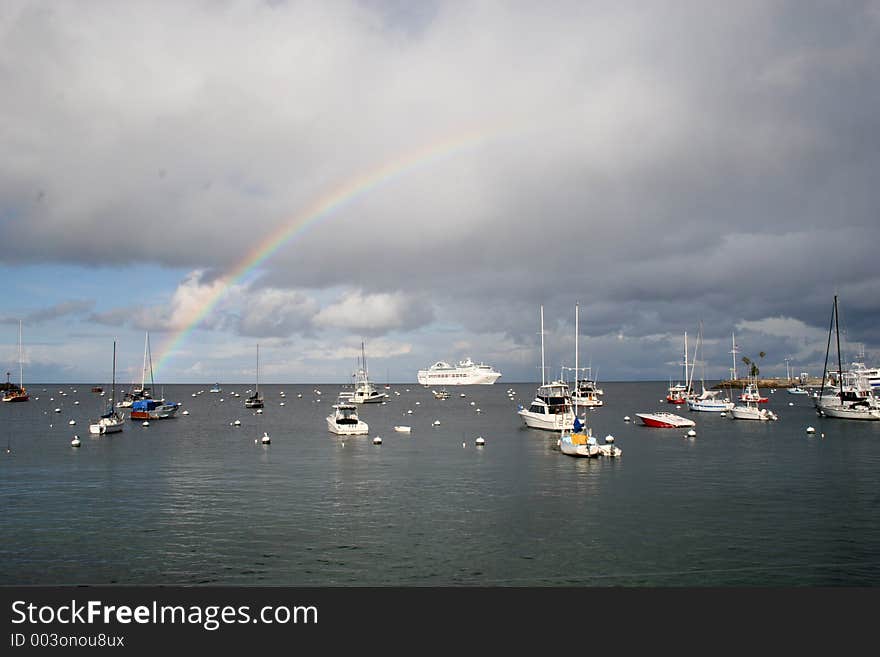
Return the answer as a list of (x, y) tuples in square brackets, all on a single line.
[(151, 618)]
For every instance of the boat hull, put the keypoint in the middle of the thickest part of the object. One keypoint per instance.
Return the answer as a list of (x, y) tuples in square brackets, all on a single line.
[(845, 413), (665, 420), (751, 413), (347, 429), (710, 406), (548, 421), (159, 413)]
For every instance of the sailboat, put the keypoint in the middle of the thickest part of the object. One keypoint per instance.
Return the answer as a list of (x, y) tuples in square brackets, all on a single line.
[(551, 409), (147, 408), (677, 393), (706, 401), (112, 421), (255, 400), (852, 400), (12, 393)]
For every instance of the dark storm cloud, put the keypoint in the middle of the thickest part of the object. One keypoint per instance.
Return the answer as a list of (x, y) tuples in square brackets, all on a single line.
[(65, 309), (660, 164)]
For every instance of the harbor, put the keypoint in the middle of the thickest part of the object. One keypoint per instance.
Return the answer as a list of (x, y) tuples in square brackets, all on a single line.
[(198, 499)]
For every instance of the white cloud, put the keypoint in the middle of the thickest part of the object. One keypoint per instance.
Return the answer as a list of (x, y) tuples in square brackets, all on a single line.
[(375, 313)]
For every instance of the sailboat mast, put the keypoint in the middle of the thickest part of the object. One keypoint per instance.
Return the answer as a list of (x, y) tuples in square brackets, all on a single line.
[(20, 367), (686, 359), (113, 393), (734, 352), (577, 308), (258, 368), (839, 363), (827, 351), (144, 369), (152, 382), (543, 380)]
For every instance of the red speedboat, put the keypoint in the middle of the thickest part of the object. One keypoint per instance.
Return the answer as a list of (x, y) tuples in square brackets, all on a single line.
[(665, 420)]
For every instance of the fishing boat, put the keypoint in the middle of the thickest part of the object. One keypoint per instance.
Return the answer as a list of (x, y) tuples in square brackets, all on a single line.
[(586, 392), (663, 420), (855, 399), (752, 411), (112, 421), (255, 400), (344, 420), (751, 393), (440, 394), (13, 393), (551, 409), (364, 391), (149, 408)]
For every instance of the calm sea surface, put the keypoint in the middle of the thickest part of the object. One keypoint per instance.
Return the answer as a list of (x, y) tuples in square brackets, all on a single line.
[(195, 500)]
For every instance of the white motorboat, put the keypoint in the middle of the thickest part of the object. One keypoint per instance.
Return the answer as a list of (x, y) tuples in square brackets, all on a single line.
[(665, 420), (578, 444), (466, 373), (797, 390), (551, 409), (440, 394), (344, 420), (751, 411)]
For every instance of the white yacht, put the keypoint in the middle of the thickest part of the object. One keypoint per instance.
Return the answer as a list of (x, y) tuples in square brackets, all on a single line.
[(344, 420), (752, 411), (551, 409), (466, 373), (364, 391)]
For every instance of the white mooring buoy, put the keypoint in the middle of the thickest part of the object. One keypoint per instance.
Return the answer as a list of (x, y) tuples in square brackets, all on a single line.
[(811, 430), (377, 440), (480, 441), (75, 442), (265, 439)]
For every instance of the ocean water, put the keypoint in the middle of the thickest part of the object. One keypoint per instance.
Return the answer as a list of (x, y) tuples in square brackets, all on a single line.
[(195, 500)]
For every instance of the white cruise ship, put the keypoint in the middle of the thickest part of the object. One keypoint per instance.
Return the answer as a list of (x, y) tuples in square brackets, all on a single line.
[(466, 373)]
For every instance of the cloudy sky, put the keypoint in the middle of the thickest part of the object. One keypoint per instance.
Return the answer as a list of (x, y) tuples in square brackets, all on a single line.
[(662, 164)]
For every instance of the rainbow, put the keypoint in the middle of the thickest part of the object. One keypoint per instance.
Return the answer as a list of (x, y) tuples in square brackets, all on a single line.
[(320, 209)]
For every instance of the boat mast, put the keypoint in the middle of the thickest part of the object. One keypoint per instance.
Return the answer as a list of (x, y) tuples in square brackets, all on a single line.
[(257, 393), (576, 333), (685, 379), (827, 350), (733, 351), (839, 363), (113, 393), (144, 369), (543, 380), (152, 382), (20, 368)]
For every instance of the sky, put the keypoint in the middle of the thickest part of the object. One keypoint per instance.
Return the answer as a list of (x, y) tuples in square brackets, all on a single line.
[(423, 177)]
